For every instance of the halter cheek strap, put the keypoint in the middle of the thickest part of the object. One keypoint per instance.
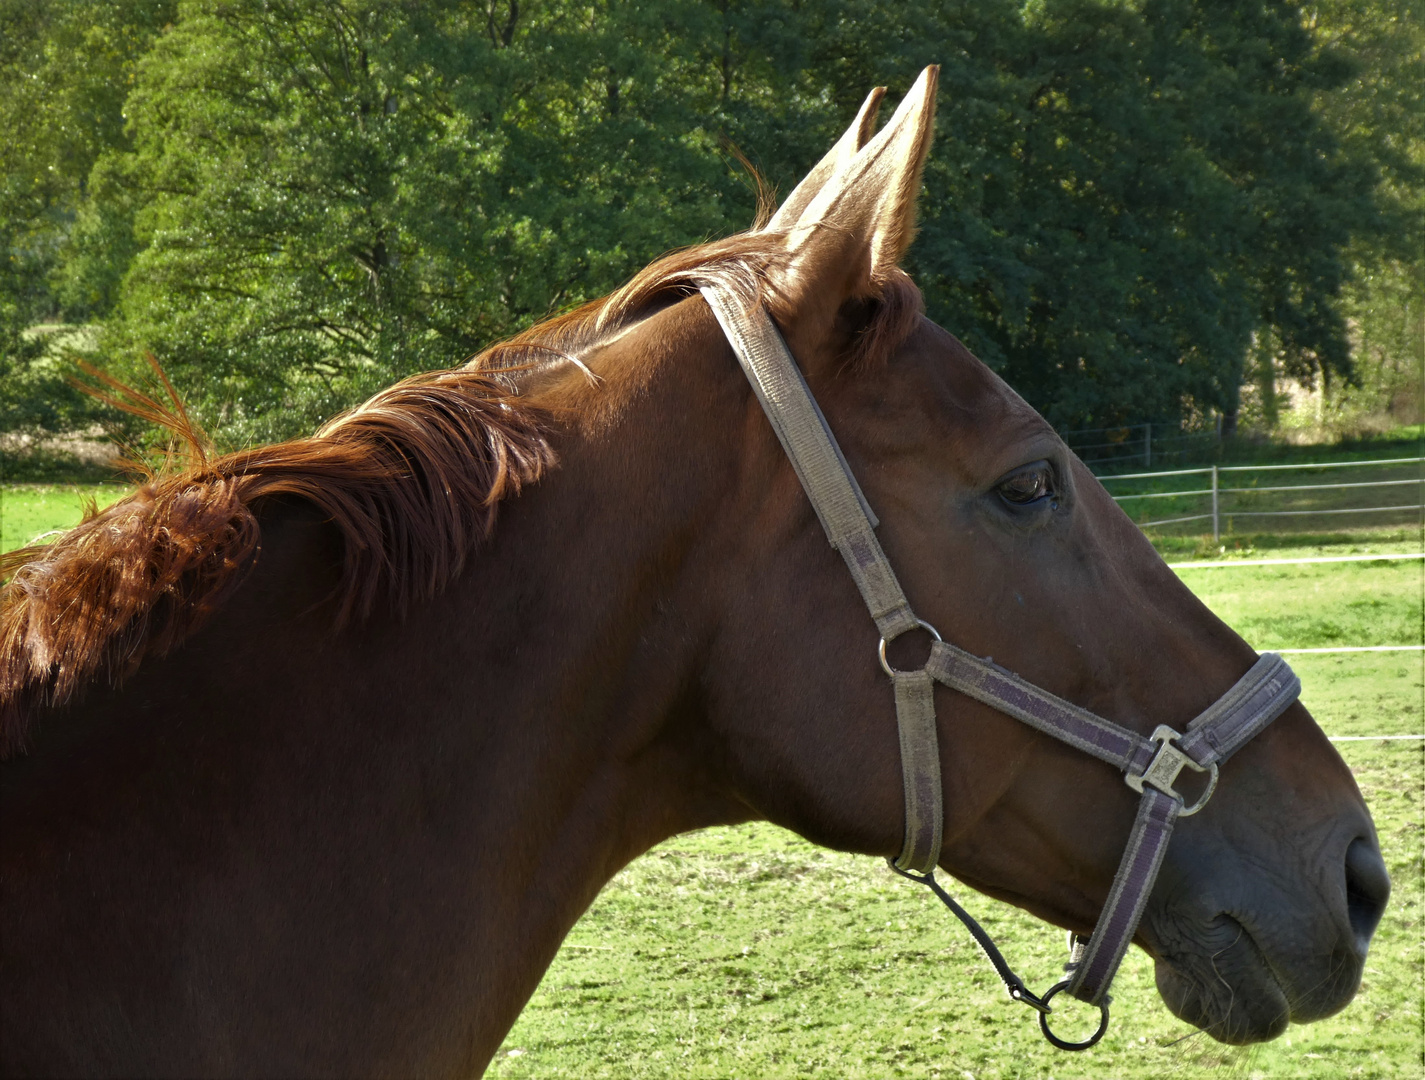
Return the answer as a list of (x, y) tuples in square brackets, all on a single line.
[(1150, 766)]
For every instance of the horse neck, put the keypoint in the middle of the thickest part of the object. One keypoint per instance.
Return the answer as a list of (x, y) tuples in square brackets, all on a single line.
[(449, 789), (572, 648)]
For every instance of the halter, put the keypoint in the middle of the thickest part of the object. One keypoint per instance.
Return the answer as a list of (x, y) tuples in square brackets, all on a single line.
[(1150, 766)]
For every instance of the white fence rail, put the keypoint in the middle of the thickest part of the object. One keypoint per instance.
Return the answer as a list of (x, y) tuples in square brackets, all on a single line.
[(1215, 491)]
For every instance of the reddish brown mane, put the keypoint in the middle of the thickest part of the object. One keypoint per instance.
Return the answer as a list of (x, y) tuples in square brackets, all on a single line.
[(412, 479)]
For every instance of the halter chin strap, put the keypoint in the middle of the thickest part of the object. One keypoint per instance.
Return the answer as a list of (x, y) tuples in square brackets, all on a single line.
[(1150, 765)]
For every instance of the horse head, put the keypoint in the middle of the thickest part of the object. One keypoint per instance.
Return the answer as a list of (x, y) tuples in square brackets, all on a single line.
[(1006, 543)]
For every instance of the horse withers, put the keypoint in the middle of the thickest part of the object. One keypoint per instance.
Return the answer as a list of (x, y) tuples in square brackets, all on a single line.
[(312, 763)]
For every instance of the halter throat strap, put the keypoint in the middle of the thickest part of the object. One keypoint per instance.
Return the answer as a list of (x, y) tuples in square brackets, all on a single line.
[(1149, 765)]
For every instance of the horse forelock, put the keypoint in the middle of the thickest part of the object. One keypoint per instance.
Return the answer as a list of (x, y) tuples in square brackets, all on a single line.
[(411, 479)]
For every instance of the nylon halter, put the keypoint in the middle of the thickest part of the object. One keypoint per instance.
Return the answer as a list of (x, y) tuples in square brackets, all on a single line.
[(1150, 766)]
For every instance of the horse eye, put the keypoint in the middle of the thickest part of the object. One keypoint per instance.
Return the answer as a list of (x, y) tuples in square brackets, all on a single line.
[(1028, 484)]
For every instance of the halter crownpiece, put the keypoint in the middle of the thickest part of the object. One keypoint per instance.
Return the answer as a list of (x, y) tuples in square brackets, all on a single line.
[(1150, 766)]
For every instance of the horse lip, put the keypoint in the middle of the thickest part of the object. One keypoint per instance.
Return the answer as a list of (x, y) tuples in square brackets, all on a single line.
[(1188, 991)]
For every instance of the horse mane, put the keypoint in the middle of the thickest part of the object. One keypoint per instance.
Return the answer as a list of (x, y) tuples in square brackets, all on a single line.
[(411, 479), (744, 265)]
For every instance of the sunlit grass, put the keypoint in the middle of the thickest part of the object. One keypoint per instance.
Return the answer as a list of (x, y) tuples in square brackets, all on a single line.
[(1376, 541), (28, 511), (747, 951), (1316, 605), (1363, 693)]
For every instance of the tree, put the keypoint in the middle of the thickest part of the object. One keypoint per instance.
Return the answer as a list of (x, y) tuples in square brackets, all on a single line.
[(65, 68), (335, 194), (314, 197), (1131, 193), (1379, 114)]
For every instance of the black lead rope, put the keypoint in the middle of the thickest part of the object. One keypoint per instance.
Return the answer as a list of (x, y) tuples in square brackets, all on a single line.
[(1012, 982)]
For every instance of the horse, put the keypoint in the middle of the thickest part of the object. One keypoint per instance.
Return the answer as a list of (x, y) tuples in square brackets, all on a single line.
[(314, 752)]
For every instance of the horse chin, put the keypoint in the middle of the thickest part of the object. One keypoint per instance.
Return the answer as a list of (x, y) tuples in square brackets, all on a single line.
[(1225, 986)]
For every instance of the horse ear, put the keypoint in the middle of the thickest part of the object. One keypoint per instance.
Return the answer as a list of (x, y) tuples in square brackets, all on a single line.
[(848, 238), (836, 159)]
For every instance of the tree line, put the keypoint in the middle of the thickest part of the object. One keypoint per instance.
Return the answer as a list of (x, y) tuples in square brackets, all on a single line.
[(290, 203)]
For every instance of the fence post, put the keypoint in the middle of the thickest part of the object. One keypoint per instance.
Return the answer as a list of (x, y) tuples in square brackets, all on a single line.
[(1216, 532), (1148, 445)]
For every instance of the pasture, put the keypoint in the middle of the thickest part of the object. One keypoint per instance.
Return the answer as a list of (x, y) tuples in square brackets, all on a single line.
[(30, 510), (746, 951)]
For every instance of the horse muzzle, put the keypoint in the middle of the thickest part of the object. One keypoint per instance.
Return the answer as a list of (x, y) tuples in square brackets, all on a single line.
[(1247, 954)]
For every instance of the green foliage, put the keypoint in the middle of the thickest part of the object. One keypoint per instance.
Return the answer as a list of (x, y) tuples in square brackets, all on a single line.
[(1141, 188), (1386, 302), (1384, 108), (340, 194), (65, 69), (1379, 115), (293, 202), (36, 398)]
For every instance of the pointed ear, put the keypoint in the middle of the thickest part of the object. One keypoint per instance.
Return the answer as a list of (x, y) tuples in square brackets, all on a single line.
[(836, 159), (846, 242)]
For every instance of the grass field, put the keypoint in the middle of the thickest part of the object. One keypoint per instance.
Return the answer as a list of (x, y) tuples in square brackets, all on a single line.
[(1316, 605), (748, 952), (1373, 541), (30, 510), (1298, 494)]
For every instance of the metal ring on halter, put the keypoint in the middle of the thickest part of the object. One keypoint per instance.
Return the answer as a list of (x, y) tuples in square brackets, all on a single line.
[(1064, 1044), (885, 664), (1189, 811), (1162, 772)]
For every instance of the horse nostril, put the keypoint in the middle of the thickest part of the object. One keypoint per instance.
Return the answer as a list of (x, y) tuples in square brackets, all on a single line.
[(1367, 890)]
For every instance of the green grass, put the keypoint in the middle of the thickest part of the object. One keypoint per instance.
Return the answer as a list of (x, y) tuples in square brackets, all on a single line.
[(1243, 496), (29, 510), (1363, 693), (1316, 605), (746, 951), (1405, 441), (1291, 545)]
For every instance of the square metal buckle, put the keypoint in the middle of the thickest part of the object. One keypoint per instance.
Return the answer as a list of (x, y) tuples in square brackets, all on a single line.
[(1162, 772)]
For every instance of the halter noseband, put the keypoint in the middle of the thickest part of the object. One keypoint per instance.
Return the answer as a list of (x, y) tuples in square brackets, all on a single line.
[(1150, 766)]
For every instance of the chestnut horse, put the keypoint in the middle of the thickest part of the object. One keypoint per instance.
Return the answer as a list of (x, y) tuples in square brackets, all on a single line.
[(311, 765)]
